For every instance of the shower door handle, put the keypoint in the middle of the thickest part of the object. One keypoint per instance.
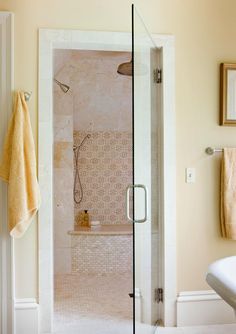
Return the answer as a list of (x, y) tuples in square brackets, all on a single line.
[(132, 187)]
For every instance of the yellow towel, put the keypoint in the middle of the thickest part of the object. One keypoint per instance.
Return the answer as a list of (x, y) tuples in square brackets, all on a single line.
[(228, 194), (18, 168)]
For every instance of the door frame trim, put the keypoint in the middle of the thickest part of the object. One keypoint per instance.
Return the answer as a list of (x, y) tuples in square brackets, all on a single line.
[(7, 284), (168, 198), (50, 39)]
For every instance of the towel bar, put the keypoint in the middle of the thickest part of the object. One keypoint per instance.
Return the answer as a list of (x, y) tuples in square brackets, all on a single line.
[(211, 151)]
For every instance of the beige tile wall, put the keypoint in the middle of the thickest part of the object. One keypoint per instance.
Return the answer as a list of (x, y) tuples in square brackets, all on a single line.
[(101, 95), (63, 179), (99, 99)]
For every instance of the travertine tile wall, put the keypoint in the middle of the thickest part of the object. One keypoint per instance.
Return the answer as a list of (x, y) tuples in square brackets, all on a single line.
[(101, 95), (105, 167), (63, 179)]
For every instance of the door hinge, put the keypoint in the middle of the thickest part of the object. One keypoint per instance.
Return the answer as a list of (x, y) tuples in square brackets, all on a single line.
[(157, 75), (159, 295)]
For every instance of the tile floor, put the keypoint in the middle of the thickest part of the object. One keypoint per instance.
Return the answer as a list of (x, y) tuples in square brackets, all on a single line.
[(89, 304), (86, 304)]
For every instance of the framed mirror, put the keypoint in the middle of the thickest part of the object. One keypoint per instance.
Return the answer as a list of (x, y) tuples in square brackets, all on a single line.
[(228, 94)]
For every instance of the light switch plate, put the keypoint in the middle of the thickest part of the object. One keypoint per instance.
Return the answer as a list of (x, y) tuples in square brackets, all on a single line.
[(190, 175)]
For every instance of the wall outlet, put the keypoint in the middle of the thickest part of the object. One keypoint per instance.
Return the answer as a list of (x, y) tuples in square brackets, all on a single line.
[(190, 175)]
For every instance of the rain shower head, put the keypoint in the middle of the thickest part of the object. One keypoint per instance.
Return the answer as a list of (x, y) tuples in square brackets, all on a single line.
[(141, 69), (63, 87), (125, 68)]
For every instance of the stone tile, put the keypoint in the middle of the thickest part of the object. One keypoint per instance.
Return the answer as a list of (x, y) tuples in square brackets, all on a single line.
[(62, 103), (63, 128), (105, 167), (93, 304), (93, 75), (99, 254), (61, 237), (63, 155), (63, 180), (62, 260)]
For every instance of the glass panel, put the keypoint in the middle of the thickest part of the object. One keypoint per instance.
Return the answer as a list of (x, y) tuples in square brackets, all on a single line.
[(145, 117), (93, 239)]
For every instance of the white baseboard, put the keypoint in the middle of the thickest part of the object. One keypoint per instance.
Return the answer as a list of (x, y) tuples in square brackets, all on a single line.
[(26, 316), (195, 308)]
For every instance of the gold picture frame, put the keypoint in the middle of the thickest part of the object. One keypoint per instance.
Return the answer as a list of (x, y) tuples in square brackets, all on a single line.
[(228, 94)]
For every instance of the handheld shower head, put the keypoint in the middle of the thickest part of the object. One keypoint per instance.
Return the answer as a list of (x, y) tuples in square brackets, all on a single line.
[(77, 147)]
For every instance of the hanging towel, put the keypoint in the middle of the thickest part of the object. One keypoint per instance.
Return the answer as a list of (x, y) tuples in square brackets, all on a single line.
[(18, 169), (228, 194)]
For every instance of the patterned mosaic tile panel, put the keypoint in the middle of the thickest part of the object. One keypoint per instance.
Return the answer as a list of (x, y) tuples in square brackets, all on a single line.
[(107, 254), (105, 167)]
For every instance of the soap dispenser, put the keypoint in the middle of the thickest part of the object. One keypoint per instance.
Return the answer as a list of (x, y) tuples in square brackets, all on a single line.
[(86, 220)]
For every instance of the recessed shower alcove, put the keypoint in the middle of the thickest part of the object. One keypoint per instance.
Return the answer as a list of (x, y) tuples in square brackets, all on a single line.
[(92, 167), (60, 250)]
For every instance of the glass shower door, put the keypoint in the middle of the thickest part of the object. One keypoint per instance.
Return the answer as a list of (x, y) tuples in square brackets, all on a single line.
[(146, 175)]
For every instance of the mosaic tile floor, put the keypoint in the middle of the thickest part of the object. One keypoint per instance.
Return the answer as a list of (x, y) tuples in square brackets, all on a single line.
[(87, 304)]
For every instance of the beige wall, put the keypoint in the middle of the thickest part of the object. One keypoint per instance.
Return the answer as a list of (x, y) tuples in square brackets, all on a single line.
[(205, 35)]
